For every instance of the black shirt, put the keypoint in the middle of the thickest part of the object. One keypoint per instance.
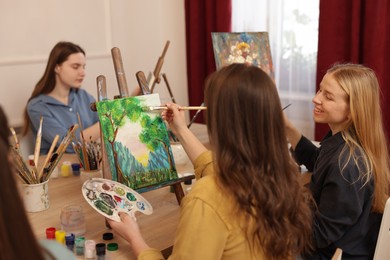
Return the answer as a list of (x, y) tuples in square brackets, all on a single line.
[(343, 218)]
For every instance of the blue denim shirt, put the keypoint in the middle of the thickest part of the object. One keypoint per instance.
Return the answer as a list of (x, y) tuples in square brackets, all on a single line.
[(58, 117)]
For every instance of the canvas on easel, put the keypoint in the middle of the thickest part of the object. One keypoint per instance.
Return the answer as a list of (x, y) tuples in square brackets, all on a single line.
[(136, 142), (243, 47)]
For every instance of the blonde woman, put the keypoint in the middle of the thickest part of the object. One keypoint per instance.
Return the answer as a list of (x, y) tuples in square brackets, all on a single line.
[(351, 168)]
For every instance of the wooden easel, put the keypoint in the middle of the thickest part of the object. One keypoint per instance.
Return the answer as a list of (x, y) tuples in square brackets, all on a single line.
[(123, 92)]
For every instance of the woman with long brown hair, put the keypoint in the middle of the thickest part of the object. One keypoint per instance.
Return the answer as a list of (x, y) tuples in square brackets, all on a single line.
[(59, 98), (247, 202), (17, 239)]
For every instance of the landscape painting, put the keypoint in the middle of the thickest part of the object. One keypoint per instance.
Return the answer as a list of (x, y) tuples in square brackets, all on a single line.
[(243, 47), (136, 140)]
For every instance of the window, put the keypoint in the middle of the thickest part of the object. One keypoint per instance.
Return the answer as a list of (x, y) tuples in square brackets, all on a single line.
[(293, 32)]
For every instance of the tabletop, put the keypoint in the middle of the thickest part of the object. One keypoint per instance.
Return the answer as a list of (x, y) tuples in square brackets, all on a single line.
[(158, 228)]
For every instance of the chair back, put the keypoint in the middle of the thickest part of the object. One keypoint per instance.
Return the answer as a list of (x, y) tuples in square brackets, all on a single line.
[(382, 250)]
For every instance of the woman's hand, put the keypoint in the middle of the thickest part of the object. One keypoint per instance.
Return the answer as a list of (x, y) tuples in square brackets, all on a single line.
[(177, 123), (175, 118), (128, 229)]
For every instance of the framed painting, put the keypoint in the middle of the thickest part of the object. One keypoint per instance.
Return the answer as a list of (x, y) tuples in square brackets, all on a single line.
[(243, 47), (137, 143)]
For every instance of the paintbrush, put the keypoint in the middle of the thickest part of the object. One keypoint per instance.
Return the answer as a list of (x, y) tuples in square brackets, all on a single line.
[(49, 168), (38, 143), (195, 116), (83, 145), (48, 156), (286, 106), (168, 87), (60, 151), (15, 138), (66, 140), (154, 108), (21, 167)]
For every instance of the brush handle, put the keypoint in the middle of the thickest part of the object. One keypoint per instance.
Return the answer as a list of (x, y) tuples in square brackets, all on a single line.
[(168, 87), (38, 142), (195, 116), (180, 108), (48, 156), (192, 108)]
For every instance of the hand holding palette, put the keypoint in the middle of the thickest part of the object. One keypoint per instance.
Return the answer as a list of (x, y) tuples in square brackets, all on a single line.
[(110, 197)]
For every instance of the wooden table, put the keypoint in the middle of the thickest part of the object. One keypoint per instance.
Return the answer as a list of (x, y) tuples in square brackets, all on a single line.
[(158, 229)]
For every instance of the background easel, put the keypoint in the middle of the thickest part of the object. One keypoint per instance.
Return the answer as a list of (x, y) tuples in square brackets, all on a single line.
[(123, 92), (155, 77)]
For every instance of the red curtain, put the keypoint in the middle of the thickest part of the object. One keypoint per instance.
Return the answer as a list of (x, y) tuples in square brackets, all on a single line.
[(355, 31), (202, 18)]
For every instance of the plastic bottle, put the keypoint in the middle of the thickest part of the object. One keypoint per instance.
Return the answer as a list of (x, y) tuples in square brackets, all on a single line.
[(80, 244), (111, 248), (100, 251), (89, 250), (69, 241)]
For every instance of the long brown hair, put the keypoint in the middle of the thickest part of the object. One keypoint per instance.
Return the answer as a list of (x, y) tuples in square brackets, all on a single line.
[(365, 131), (59, 54), (16, 236), (253, 164)]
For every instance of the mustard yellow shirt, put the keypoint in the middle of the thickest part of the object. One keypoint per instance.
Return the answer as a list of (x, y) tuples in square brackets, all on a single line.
[(208, 227)]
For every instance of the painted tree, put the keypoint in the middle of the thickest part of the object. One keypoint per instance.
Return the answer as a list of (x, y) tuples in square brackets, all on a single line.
[(114, 114), (154, 135)]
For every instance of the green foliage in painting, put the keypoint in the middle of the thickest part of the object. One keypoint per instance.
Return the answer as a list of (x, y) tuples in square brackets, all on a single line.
[(125, 168)]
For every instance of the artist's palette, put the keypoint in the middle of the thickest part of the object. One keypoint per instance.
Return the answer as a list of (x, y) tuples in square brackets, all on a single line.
[(110, 197)]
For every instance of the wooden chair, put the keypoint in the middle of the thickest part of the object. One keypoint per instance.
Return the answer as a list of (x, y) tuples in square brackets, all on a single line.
[(382, 250)]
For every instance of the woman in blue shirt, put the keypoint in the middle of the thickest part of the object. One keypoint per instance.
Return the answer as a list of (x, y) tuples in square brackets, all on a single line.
[(350, 182), (59, 99)]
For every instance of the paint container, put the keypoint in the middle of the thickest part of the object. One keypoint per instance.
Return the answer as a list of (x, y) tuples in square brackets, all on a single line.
[(66, 169), (60, 236), (72, 219), (80, 244), (76, 169), (69, 241), (108, 236), (89, 250), (36, 196), (111, 248), (51, 233), (31, 160), (101, 251)]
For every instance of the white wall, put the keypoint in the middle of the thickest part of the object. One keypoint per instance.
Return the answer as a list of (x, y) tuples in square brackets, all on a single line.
[(140, 29)]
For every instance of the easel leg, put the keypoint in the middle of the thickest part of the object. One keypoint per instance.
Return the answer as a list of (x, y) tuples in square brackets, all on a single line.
[(179, 192)]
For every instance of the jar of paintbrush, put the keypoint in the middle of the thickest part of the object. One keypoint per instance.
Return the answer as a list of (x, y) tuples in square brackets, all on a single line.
[(89, 156)]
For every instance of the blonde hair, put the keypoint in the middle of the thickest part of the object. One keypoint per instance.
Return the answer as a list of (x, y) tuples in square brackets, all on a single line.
[(364, 131)]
